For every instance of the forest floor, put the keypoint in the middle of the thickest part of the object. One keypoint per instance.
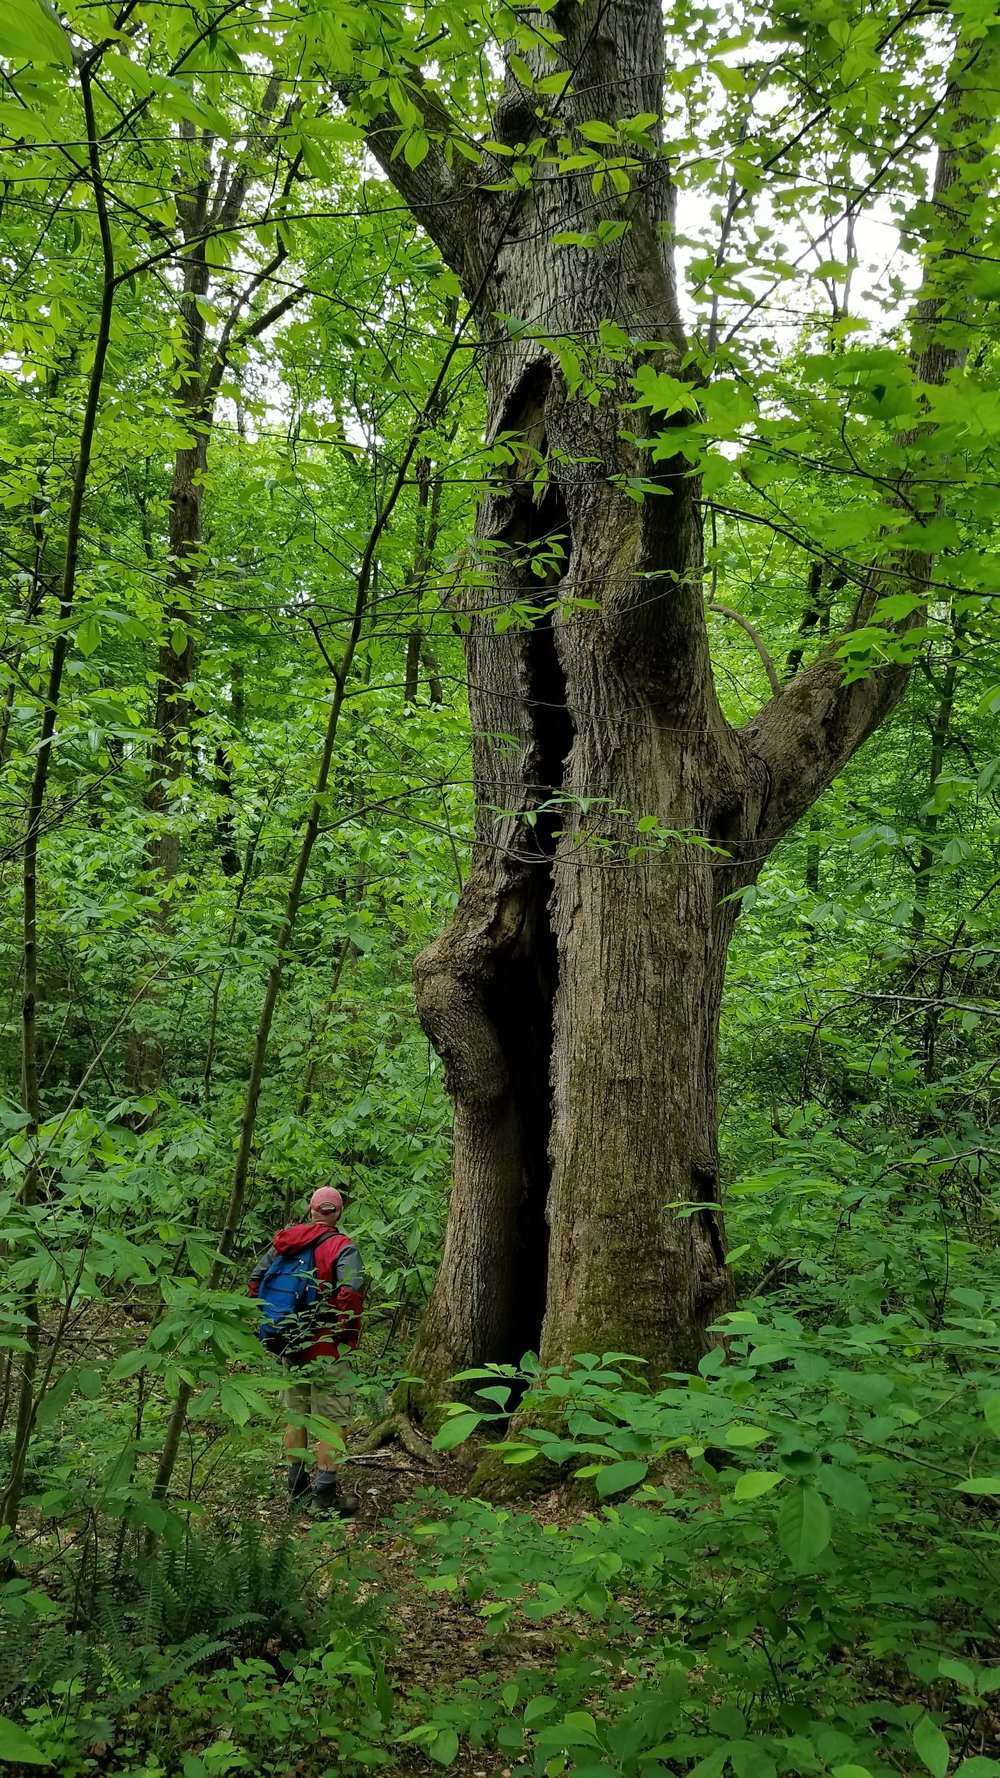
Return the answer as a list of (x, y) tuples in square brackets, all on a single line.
[(439, 1639)]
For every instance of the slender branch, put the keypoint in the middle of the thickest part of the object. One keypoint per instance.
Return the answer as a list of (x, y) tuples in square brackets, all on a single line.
[(755, 637)]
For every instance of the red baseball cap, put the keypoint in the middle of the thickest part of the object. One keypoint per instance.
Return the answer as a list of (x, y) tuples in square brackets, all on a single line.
[(326, 1198)]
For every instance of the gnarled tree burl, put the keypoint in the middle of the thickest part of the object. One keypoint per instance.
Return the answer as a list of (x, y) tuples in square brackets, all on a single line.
[(575, 998)]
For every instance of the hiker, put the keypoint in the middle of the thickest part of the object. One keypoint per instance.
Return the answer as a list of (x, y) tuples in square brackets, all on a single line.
[(311, 1285)]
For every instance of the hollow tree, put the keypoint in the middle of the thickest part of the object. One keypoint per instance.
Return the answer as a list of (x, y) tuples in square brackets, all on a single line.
[(575, 997)]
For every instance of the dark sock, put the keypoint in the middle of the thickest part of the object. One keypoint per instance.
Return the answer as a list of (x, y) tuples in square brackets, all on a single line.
[(298, 1480), (330, 1493)]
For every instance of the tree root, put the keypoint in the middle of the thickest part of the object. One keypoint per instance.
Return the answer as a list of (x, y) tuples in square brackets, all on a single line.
[(399, 1429)]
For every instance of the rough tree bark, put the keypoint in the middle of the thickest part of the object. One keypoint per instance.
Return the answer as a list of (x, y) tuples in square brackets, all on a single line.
[(575, 998)]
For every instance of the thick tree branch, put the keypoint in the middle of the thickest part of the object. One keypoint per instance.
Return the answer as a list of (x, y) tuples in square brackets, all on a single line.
[(439, 195)]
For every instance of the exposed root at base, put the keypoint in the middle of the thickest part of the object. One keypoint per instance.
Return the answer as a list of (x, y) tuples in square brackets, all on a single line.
[(398, 1429)]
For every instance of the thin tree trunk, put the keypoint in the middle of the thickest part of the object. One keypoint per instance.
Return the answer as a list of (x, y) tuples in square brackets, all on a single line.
[(26, 1404), (435, 683), (816, 615), (213, 1017), (38, 585), (366, 581), (248, 1122), (312, 1065), (428, 526), (175, 661), (225, 827), (210, 203), (940, 731)]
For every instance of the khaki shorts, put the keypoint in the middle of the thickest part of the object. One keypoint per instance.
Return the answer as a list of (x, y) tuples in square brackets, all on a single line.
[(327, 1392)]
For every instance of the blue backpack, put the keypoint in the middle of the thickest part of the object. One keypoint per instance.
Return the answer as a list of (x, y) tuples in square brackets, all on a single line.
[(287, 1296)]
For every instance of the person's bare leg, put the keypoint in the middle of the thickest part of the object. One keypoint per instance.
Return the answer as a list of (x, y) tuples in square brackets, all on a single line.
[(331, 1456), (296, 1446)]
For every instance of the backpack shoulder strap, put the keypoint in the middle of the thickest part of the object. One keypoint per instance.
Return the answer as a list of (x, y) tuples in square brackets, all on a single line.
[(325, 1240), (327, 1235)]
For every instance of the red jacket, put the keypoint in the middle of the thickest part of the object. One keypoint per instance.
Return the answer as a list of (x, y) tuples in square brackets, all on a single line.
[(340, 1281)]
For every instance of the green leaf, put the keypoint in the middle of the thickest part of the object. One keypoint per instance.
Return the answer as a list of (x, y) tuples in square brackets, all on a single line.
[(315, 160), (88, 636), (456, 1431), (554, 83), (55, 1399), (415, 148), (846, 1488), (444, 1747), (619, 1476), (498, 1394), (123, 68), (30, 31), (15, 1745), (804, 1525), (741, 1435), (178, 100), (979, 1767), (980, 1484), (129, 1363), (234, 1404), (991, 1411), (578, 1729), (712, 1764), (931, 1746), (756, 1482), (799, 1460)]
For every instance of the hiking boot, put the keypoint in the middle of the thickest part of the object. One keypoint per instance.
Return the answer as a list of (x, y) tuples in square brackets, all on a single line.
[(330, 1497), (298, 1482)]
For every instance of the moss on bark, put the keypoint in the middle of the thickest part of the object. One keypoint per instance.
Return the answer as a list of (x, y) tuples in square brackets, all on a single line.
[(500, 1482)]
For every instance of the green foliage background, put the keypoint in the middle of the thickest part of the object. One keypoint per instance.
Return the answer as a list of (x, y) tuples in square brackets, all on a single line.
[(804, 1535)]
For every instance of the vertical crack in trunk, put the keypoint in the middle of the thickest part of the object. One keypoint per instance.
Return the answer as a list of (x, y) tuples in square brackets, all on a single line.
[(521, 995), (486, 988)]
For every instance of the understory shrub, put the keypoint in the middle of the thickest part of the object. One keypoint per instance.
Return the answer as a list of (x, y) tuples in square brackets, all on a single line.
[(202, 1635), (795, 1566)]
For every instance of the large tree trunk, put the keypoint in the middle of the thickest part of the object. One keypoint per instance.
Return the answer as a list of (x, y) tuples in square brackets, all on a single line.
[(575, 997)]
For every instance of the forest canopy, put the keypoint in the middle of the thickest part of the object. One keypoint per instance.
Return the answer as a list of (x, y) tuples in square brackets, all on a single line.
[(498, 716)]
